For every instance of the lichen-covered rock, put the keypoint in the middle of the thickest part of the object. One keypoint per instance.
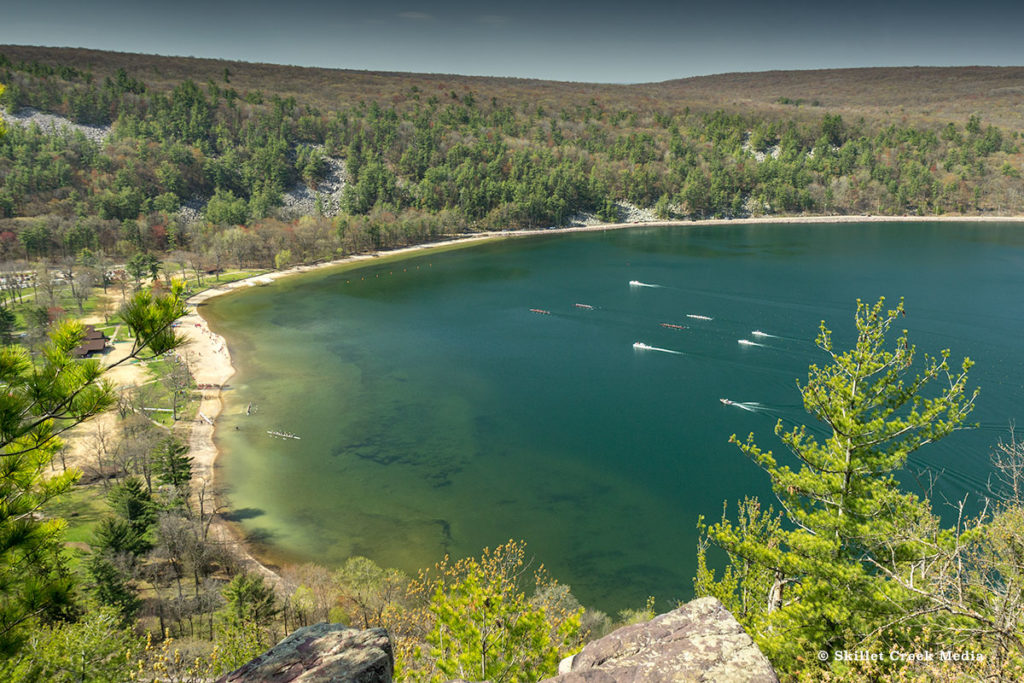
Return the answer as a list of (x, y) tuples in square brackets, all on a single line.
[(322, 653), (700, 641)]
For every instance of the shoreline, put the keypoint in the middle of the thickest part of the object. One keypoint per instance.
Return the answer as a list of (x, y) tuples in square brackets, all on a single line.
[(209, 360)]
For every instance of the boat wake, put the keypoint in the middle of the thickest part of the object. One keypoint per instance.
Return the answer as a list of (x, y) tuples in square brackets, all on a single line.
[(637, 283), (759, 333), (749, 406), (747, 342), (698, 317), (640, 346)]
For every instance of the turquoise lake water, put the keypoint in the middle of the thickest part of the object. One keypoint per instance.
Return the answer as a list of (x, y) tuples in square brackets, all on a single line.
[(439, 414)]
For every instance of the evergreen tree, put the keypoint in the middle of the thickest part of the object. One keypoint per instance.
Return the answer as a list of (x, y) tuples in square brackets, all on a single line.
[(43, 397), (249, 599), (224, 208), (133, 504), (7, 321), (849, 526), (173, 465), (111, 588), (118, 537)]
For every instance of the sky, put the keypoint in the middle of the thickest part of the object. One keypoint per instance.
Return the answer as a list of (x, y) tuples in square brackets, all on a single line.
[(598, 41)]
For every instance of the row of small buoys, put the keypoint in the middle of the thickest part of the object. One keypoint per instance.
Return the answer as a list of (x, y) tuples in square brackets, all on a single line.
[(390, 272)]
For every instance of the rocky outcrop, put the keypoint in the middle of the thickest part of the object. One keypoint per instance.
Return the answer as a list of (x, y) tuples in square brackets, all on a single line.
[(700, 641), (322, 653), (301, 200), (53, 124)]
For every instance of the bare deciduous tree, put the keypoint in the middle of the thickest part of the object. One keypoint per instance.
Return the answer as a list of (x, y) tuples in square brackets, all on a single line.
[(179, 382)]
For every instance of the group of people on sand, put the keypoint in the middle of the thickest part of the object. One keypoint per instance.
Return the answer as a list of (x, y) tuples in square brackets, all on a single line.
[(217, 342)]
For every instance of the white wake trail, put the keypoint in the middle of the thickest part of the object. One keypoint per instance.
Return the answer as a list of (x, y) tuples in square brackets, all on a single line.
[(640, 346)]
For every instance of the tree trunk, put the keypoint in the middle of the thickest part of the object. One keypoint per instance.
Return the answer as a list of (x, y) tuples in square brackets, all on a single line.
[(775, 593)]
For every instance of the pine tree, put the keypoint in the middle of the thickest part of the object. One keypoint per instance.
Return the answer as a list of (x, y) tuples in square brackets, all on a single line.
[(116, 537), (111, 587), (133, 504), (249, 599), (849, 524), (172, 465), (7, 322), (42, 398)]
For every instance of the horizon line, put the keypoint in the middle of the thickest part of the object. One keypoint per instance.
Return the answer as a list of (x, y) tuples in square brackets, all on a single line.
[(518, 78)]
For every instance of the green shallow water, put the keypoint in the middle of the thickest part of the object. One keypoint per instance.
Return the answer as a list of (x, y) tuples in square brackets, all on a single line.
[(438, 414)]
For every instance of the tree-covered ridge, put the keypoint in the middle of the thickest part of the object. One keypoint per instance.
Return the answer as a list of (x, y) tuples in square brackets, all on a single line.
[(491, 163)]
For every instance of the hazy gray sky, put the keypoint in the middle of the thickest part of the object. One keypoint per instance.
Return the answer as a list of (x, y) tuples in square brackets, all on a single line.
[(638, 41)]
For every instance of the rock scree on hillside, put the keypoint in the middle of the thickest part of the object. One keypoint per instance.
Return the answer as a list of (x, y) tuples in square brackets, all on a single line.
[(53, 124), (301, 200), (700, 641)]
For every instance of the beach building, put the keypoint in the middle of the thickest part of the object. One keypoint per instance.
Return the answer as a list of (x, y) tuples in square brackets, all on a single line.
[(94, 342)]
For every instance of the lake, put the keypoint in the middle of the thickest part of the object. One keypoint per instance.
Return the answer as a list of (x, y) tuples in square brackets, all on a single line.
[(437, 413)]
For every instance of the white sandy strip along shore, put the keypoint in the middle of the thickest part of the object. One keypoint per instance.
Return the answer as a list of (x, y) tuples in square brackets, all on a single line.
[(210, 362)]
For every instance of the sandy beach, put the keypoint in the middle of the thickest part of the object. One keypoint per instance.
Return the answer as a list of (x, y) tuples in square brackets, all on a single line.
[(210, 364), (210, 361)]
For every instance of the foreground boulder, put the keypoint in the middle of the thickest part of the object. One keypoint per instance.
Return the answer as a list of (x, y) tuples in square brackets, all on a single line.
[(322, 653), (700, 641)]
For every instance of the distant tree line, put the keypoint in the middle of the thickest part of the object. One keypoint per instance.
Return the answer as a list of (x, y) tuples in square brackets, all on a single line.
[(486, 164)]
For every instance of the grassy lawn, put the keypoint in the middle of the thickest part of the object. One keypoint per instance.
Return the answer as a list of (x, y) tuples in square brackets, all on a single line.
[(159, 392), (233, 275), (226, 277), (64, 301), (116, 330), (82, 507)]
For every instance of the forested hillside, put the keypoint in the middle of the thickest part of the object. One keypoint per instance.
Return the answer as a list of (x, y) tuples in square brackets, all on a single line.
[(428, 155)]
